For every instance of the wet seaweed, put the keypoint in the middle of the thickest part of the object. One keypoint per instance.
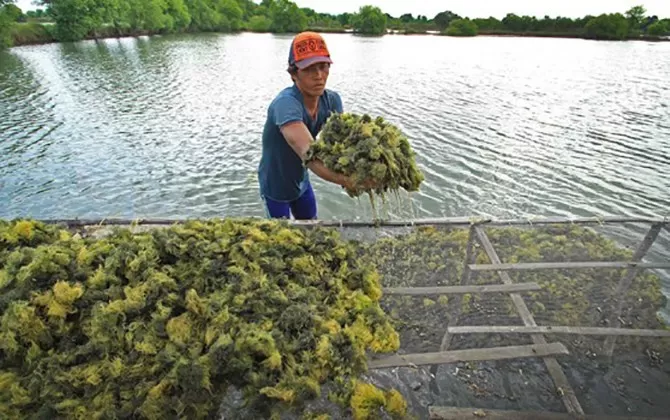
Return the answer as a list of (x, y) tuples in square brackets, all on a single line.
[(160, 324), (373, 153)]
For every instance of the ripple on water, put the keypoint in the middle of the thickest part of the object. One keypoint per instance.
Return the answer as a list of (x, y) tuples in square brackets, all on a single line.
[(164, 126)]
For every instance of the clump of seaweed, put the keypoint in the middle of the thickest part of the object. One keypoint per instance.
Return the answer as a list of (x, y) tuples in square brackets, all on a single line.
[(160, 324), (373, 153)]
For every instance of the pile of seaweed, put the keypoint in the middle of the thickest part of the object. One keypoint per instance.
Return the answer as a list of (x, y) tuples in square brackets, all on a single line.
[(434, 256), (161, 324), (374, 153)]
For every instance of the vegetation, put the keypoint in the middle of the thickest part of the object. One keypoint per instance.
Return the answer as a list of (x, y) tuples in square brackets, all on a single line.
[(369, 21), (6, 23), (462, 27), (161, 324), (373, 153), (31, 33), (80, 19), (613, 26)]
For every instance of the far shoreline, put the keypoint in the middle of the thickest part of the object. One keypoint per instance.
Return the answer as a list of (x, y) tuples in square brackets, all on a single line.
[(47, 39)]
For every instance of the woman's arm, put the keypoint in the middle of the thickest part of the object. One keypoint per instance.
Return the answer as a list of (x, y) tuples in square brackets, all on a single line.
[(299, 138)]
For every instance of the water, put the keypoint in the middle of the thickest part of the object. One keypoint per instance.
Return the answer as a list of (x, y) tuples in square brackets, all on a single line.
[(171, 126)]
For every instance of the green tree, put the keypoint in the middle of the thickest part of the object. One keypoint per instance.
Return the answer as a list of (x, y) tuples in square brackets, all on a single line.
[(178, 15), (205, 17), (462, 27), (287, 17), (344, 19), (260, 24), (635, 16), (443, 19), (75, 19), (232, 11), (5, 27), (13, 12), (489, 24), (248, 7), (658, 29), (369, 20), (117, 14), (149, 15), (607, 26)]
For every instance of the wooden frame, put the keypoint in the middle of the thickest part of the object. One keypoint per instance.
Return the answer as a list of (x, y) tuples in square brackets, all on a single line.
[(506, 329), (461, 290), (460, 413), (469, 355), (449, 221)]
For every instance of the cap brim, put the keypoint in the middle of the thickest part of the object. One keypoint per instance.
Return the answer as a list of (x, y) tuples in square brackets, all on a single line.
[(309, 61)]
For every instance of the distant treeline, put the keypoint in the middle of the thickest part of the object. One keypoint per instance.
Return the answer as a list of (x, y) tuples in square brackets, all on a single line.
[(71, 20)]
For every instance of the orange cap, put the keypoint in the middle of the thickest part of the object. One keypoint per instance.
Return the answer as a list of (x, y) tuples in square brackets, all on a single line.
[(308, 48)]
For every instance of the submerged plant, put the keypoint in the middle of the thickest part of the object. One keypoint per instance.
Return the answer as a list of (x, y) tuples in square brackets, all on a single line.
[(160, 324), (373, 153)]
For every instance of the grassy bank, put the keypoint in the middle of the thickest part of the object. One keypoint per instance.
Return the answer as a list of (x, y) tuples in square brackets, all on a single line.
[(33, 33)]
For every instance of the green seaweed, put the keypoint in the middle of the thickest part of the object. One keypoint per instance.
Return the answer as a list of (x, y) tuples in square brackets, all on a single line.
[(373, 153), (160, 324)]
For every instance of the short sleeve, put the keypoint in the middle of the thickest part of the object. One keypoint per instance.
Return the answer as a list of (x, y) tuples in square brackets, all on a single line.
[(286, 109), (336, 101)]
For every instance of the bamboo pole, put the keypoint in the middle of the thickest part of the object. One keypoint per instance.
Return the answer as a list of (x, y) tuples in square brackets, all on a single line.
[(469, 355), (507, 329), (451, 221), (461, 290), (627, 280), (561, 382), (577, 265)]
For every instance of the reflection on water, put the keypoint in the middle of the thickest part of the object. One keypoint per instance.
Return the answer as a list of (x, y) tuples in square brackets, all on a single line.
[(170, 126)]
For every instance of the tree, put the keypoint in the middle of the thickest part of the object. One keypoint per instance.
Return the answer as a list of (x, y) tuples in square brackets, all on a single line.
[(462, 27), (260, 24), (232, 12), (204, 17), (635, 16), (178, 15), (149, 15), (443, 19), (286, 16), (344, 19), (489, 24), (248, 7), (5, 27), (607, 26), (75, 19), (658, 29), (369, 20), (13, 12)]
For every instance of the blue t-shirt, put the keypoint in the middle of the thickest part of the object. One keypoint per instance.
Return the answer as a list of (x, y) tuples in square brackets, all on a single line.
[(281, 173)]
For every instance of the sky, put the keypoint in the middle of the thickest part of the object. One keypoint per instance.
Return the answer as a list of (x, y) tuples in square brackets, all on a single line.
[(479, 8)]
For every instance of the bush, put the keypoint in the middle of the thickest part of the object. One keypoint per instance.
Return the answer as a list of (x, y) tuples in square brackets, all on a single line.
[(658, 29), (462, 27), (608, 27), (260, 24), (32, 33)]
